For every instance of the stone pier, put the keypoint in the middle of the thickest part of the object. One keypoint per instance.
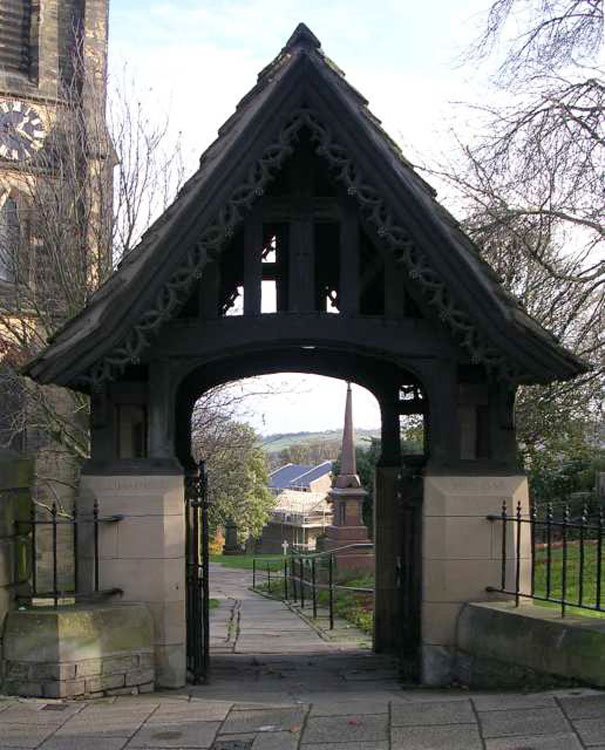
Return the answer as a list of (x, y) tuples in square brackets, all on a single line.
[(144, 555)]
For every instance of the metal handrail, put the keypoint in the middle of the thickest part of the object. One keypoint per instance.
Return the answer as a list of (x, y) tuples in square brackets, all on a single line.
[(358, 545), (296, 583)]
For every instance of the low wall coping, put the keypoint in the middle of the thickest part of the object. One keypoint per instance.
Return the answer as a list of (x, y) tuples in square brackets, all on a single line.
[(79, 651), (76, 633), (536, 638)]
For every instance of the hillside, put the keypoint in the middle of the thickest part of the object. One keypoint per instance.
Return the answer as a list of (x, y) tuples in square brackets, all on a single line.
[(330, 438)]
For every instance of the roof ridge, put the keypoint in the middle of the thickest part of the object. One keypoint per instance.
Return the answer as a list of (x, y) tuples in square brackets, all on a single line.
[(302, 36)]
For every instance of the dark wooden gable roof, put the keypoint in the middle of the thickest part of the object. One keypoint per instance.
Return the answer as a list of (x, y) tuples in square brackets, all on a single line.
[(302, 88)]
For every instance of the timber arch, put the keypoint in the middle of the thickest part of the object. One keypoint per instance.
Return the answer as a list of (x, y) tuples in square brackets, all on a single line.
[(304, 195)]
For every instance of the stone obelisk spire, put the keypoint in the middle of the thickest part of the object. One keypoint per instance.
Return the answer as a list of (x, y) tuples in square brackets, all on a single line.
[(347, 497), (347, 478)]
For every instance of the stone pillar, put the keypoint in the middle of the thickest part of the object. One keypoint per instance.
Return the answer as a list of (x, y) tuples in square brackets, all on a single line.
[(144, 555), (461, 556)]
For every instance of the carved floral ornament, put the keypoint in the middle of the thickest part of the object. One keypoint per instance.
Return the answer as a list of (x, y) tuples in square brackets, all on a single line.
[(375, 211)]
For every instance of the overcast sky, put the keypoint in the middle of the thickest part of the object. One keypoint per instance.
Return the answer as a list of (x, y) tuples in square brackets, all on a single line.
[(195, 59)]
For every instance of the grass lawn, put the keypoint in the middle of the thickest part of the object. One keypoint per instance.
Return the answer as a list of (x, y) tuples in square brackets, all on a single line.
[(572, 587), (244, 562)]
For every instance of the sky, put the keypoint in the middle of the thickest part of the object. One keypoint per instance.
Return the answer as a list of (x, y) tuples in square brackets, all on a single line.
[(192, 61), (196, 59)]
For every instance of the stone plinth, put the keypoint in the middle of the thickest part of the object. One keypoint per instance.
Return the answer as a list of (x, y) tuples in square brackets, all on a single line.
[(231, 546), (80, 650), (144, 555), (461, 557), (348, 529)]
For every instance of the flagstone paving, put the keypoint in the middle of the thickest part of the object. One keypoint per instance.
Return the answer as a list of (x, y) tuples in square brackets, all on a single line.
[(279, 684)]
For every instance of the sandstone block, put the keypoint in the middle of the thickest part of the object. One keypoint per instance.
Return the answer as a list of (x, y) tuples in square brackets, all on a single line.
[(139, 676), (119, 664), (47, 672), (63, 689), (108, 682), (89, 668)]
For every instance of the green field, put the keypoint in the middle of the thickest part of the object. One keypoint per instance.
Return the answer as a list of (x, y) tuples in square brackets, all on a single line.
[(277, 443)]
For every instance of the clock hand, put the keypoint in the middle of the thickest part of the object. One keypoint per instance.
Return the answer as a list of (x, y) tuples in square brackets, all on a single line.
[(25, 133)]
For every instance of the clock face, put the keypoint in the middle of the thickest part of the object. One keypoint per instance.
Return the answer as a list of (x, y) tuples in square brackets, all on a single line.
[(21, 131)]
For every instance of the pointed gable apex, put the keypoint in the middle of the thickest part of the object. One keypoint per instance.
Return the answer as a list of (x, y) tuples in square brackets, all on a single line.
[(302, 36), (302, 88)]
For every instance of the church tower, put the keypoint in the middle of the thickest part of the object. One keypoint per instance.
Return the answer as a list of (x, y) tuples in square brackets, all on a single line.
[(347, 496), (53, 68), (54, 216)]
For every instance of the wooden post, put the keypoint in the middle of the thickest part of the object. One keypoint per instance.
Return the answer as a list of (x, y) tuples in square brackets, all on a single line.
[(253, 245), (349, 261)]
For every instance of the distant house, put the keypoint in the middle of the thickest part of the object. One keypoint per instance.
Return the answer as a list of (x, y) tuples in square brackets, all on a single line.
[(302, 478), (302, 509)]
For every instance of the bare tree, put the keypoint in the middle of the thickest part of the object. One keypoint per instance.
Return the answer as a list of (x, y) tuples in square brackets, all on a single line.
[(67, 215), (554, 34), (530, 183), (540, 156)]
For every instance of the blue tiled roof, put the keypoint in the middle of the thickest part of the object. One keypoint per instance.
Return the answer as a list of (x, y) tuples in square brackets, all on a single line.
[(291, 476)]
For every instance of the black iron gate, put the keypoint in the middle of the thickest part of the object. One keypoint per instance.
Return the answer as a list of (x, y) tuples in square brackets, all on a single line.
[(196, 555), (409, 578)]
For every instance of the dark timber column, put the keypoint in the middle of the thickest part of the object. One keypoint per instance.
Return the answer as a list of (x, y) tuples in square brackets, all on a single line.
[(253, 245), (301, 297), (209, 290), (160, 438), (444, 433), (387, 529), (102, 425), (349, 261), (394, 295)]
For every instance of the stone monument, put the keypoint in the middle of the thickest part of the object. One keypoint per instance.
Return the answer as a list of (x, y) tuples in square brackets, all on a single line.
[(347, 496), (232, 545)]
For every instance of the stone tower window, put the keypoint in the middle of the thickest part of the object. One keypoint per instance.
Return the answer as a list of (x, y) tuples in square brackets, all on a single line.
[(10, 232), (15, 24)]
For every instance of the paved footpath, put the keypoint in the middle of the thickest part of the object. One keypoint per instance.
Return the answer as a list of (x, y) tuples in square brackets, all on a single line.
[(279, 684)]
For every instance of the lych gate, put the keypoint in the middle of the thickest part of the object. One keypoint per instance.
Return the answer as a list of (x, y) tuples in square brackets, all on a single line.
[(306, 242)]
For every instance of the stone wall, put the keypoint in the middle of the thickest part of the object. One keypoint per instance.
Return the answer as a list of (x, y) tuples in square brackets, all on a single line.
[(79, 651), (503, 646)]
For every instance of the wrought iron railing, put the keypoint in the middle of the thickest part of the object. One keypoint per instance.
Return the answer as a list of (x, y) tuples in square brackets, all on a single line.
[(300, 579), (197, 600), (40, 560), (565, 555)]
